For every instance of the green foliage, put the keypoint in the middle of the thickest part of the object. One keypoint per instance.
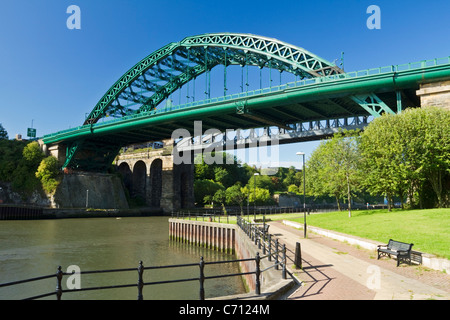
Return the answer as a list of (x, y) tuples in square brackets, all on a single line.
[(333, 168), (32, 154), (262, 182), (235, 195), (226, 171), (258, 196), (10, 156), (18, 163), (48, 173), (293, 189), (3, 133), (205, 188), (403, 152)]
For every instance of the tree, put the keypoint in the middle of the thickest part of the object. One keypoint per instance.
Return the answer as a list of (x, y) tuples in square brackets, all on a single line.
[(3, 133), (427, 139), (220, 197), (33, 154), (401, 152), (263, 182), (333, 168), (235, 195), (205, 188), (48, 173), (293, 188)]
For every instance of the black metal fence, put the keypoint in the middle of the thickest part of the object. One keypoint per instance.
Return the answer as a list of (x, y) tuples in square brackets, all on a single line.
[(272, 250), (59, 276), (270, 246)]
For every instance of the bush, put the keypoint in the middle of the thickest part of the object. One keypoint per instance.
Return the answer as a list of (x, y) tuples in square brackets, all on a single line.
[(48, 173)]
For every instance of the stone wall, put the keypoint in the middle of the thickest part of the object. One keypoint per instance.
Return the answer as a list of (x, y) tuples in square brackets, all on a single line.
[(91, 190), (435, 94), (152, 176)]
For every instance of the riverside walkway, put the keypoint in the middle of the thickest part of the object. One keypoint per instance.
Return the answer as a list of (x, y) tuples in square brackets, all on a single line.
[(334, 270)]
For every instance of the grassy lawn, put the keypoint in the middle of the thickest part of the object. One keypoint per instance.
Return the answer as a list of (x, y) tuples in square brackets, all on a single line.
[(429, 230)]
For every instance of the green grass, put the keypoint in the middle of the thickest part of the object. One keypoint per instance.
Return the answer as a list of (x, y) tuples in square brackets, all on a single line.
[(429, 230)]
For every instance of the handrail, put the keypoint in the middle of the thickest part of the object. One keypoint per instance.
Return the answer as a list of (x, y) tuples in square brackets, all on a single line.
[(140, 284), (271, 249), (265, 241)]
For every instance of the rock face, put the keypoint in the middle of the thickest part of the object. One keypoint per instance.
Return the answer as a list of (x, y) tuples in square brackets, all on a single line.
[(8, 196), (90, 190)]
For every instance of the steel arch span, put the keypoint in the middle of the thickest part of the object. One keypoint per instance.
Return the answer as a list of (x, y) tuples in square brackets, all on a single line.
[(156, 77)]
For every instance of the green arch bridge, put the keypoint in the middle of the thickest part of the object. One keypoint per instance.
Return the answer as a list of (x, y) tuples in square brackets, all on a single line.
[(138, 108)]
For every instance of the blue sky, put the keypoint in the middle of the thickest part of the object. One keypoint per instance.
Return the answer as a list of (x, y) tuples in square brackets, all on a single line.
[(52, 76)]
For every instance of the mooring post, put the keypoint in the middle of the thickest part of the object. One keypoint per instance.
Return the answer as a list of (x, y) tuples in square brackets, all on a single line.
[(140, 280), (59, 275), (202, 279), (257, 274)]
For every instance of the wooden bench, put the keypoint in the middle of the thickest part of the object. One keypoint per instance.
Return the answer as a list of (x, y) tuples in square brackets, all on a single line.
[(399, 249)]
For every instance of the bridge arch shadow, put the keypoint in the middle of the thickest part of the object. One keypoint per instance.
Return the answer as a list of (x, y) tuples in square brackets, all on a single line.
[(156, 183), (139, 177)]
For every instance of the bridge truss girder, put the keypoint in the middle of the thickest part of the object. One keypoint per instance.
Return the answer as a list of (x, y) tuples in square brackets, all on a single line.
[(166, 70)]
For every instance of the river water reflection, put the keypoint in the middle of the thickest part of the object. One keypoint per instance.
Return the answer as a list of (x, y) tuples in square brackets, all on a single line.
[(34, 248)]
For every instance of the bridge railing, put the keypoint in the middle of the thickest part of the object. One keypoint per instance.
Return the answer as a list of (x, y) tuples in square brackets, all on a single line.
[(294, 84)]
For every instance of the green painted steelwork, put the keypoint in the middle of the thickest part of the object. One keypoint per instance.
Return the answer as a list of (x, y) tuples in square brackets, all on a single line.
[(166, 70), (372, 104), (325, 93)]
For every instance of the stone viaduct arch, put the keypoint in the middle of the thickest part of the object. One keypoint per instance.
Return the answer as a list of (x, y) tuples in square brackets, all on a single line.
[(154, 178)]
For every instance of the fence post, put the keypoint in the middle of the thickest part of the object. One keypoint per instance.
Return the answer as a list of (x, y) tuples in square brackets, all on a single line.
[(59, 275), (270, 247), (202, 279), (140, 280), (257, 275), (276, 254), (283, 273)]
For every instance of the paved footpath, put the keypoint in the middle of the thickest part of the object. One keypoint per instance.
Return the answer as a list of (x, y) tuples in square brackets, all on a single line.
[(334, 270)]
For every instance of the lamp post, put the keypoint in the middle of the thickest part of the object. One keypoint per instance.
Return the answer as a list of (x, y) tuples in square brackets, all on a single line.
[(304, 194), (254, 195)]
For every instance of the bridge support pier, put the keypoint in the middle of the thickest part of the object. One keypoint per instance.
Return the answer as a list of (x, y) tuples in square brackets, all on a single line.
[(435, 94), (152, 178)]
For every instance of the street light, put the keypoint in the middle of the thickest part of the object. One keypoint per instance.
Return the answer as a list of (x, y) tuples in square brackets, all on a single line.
[(304, 194), (254, 195)]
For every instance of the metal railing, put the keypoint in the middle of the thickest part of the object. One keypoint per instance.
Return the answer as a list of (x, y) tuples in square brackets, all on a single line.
[(217, 214), (141, 284), (258, 233), (294, 84)]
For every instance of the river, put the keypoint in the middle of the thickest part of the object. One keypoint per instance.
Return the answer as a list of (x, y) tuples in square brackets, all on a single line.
[(37, 247)]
